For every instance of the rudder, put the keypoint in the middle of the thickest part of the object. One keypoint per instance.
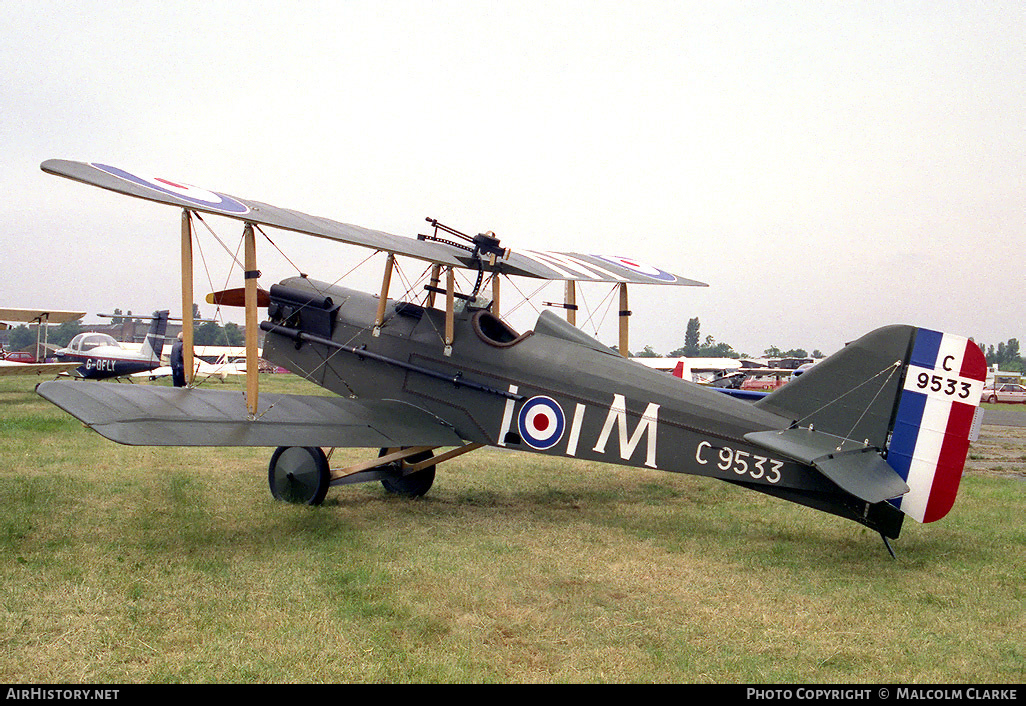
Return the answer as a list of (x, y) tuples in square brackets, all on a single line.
[(153, 345), (937, 417)]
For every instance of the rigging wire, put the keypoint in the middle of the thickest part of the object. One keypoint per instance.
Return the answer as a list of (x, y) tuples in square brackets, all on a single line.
[(889, 371), (408, 284), (608, 304)]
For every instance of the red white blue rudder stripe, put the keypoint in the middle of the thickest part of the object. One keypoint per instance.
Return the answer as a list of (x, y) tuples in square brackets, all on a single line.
[(935, 421)]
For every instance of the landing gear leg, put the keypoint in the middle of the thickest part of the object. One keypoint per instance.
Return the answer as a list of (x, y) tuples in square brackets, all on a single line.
[(413, 484)]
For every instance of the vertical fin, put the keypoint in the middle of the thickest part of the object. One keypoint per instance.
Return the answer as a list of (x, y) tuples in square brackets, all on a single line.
[(153, 346)]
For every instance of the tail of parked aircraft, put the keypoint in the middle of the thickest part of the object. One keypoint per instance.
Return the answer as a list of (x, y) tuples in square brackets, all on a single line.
[(153, 346), (910, 394)]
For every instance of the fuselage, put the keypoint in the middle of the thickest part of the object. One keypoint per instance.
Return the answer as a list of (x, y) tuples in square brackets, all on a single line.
[(100, 357), (554, 390)]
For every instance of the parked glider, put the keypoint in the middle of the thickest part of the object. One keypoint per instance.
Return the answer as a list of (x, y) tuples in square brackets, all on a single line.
[(875, 432), (220, 369)]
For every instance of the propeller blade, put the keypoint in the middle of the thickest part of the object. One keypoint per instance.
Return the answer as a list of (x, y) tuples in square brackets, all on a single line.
[(237, 297)]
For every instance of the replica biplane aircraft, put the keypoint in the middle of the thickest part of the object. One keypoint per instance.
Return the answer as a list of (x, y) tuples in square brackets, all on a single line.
[(879, 430)]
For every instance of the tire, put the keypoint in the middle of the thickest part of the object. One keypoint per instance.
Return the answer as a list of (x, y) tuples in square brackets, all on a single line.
[(413, 485), (299, 475)]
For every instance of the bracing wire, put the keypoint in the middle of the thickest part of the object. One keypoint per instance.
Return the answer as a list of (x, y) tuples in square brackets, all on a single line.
[(408, 284), (889, 371), (608, 302)]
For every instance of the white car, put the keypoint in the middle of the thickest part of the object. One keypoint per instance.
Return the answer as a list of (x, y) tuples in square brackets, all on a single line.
[(1004, 393)]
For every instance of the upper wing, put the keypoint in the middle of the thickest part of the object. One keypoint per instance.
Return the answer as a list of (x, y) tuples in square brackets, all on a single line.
[(165, 416), (542, 265)]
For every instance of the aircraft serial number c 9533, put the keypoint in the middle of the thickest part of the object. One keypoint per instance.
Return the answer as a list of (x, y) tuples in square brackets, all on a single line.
[(947, 386), (743, 463)]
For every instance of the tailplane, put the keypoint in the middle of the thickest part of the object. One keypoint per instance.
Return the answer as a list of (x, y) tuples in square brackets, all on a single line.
[(153, 346), (908, 395)]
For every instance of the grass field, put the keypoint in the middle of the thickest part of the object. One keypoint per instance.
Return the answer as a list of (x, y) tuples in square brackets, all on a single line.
[(130, 565)]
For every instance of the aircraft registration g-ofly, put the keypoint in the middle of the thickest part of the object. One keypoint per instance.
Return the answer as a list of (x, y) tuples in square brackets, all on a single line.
[(877, 431)]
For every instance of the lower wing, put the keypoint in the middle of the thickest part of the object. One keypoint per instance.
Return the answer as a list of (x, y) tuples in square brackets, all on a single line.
[(162, 416)]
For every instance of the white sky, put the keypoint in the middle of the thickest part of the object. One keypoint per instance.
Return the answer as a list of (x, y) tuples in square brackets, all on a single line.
[(826, 167)]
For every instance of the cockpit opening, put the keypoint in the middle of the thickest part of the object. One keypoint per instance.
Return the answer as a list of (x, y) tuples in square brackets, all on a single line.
[(496, 332), (87, 341)]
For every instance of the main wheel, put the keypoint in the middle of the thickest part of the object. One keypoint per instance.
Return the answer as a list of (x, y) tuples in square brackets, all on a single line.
[(413, 485), (299, 474)]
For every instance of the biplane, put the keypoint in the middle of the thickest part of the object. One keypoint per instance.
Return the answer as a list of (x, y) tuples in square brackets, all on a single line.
[(42, 318), (877, 431)]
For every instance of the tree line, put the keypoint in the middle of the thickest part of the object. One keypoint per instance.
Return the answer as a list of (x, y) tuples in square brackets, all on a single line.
[(1006, 356), (697, 347)]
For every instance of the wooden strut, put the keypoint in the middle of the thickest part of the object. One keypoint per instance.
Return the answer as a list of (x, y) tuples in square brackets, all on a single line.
[(436, 276), (624, 315), (400, 455), (571, 302), (187, 298), (459, 451), (450, 296), (495, 294), (386, 281), (252, 355)]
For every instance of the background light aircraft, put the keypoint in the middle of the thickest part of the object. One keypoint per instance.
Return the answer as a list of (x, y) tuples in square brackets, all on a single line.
[(728, 375), (42, 318), (878, 431), (97, 356), (221, 369)]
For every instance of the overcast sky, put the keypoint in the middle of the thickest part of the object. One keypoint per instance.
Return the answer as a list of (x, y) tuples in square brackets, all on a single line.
[(827, 168)]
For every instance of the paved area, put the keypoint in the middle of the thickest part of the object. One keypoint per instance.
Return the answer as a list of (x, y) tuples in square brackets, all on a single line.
[(1005, 415)]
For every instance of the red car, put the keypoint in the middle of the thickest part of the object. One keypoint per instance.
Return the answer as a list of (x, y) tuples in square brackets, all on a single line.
[(20, 357)]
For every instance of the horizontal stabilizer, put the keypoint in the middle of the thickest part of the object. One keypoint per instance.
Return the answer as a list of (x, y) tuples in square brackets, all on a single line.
[(139, 415), (854, 467)]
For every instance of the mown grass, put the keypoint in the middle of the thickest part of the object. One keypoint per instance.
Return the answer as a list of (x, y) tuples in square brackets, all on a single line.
[(125, 564)]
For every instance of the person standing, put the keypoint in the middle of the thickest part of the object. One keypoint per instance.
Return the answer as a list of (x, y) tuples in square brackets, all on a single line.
[(178, 362)]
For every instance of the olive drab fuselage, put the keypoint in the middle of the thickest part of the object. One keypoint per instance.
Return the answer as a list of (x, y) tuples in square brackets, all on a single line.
[(567, 395)]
